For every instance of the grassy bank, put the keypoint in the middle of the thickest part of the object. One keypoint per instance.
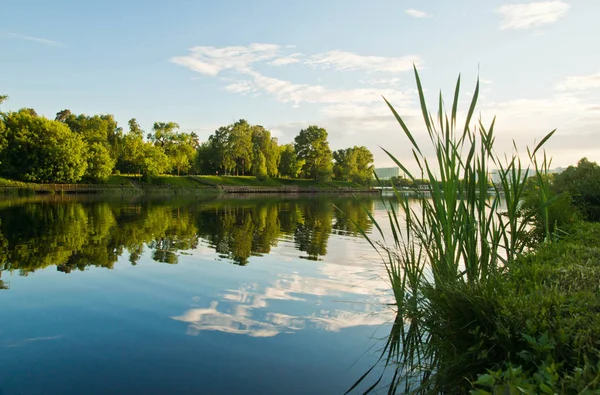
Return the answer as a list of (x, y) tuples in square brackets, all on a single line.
[(130, 183), (273, 182)]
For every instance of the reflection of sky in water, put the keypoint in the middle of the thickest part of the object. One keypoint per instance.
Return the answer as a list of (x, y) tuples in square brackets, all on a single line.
[(343, 297), (281, 324)]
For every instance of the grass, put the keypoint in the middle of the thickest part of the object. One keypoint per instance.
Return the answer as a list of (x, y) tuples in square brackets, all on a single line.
[(458, 239), (273, 182)]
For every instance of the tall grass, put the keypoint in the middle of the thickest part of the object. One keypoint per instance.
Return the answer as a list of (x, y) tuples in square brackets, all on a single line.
[(460, 235)]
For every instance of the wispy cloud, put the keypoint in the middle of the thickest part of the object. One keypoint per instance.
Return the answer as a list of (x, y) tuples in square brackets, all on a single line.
[(381, 81), (293, 58), (342, 60), (211, 60), (580, 83), (289, 92), (39, 40), (417, 14), (532, 15)]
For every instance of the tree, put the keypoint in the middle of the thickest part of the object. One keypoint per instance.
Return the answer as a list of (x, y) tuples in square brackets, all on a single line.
[(263, 143), (180, 150), (582, 183), (154, 161), (259, 166), (3, 98), (289, 164), (63, 115), (99, 163), (240, 146), (311, 146), (162, 132), (133, 148), (61, 157), (353, 164)]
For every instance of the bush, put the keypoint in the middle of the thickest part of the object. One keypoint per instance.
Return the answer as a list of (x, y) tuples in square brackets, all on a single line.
[(536, 326)]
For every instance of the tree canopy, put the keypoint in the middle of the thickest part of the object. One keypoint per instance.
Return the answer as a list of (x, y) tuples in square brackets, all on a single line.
[(89, 148)]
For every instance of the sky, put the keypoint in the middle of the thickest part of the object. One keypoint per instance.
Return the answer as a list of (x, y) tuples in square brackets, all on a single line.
[(290, 64)]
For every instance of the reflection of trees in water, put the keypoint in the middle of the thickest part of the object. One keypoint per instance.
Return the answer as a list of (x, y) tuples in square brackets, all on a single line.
[(313, 228), (350, 216), (74, 235)]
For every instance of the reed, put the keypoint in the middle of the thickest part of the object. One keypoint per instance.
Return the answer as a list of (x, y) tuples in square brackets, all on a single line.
[(460, 235)]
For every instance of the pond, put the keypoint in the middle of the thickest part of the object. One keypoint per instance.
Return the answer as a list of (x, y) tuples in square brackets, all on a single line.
[(263, 294)]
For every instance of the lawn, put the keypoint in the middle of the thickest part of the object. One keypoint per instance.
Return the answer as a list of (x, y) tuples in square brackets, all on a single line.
[(272, 182)]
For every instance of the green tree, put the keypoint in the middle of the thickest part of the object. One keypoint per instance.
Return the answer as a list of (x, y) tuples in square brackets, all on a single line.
[(154, 161), (311, 146), (99, 163), (240, 146), (41, 150), (353, 164), (63, 115), (263, 143), (259, 166), (289, 164), (181, 151), (163, 132), (132, 155), (582, 183), (3, 98)]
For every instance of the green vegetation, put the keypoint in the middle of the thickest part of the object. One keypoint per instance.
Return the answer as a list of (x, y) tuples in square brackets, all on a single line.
[(273, 182), (91, 148), (491, 296)]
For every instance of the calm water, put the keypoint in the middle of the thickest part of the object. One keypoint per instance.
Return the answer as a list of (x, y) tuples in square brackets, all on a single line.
[(246, 295)]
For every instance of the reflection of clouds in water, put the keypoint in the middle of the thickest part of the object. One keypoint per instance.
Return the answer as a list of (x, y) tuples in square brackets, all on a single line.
[(24, 342), (362, 294)]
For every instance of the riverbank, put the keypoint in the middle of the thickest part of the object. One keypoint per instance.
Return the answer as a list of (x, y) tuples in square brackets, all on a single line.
[(129, 184)]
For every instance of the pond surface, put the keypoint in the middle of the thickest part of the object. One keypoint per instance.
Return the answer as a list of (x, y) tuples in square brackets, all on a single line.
[(248, 295)]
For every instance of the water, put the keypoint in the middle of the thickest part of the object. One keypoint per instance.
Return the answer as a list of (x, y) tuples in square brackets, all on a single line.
[(246, 295)]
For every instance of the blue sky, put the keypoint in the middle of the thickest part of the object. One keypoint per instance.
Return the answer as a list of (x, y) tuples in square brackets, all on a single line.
[(288, 64)]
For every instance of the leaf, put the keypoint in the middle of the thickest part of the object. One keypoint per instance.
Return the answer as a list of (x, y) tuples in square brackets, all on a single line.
[(485, 380)]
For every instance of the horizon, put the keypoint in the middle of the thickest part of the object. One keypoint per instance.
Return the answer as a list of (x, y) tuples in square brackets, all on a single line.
[(326, 63)]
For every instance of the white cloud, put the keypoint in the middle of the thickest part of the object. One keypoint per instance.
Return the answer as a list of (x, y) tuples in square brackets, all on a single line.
[(240, 87), (36, 39), (417, 14), (580, 83), (293, 58), (212, 60), (342, 60), (532, 15), (289, 92), (381, 81)]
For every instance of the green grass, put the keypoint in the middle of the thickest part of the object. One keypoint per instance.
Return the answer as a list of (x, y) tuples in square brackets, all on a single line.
[(119, 180), (13, 183), (273, 182), (175, 181)]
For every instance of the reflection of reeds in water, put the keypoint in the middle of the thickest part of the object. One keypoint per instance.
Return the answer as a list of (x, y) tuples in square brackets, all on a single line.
[(456, 235)]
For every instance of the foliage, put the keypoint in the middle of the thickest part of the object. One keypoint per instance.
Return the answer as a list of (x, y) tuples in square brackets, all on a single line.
[(312, 147), (153, 161), (99, 163), (61, 157), (259, 167), (265, 145), (289, 164), (582, 183), (353, 164)]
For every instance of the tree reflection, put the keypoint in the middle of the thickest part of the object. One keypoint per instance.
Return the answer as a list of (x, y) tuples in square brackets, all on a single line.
[(76, 234)]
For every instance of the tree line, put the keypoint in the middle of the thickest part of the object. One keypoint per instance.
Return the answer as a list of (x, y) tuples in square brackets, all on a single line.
[(80, 147)]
